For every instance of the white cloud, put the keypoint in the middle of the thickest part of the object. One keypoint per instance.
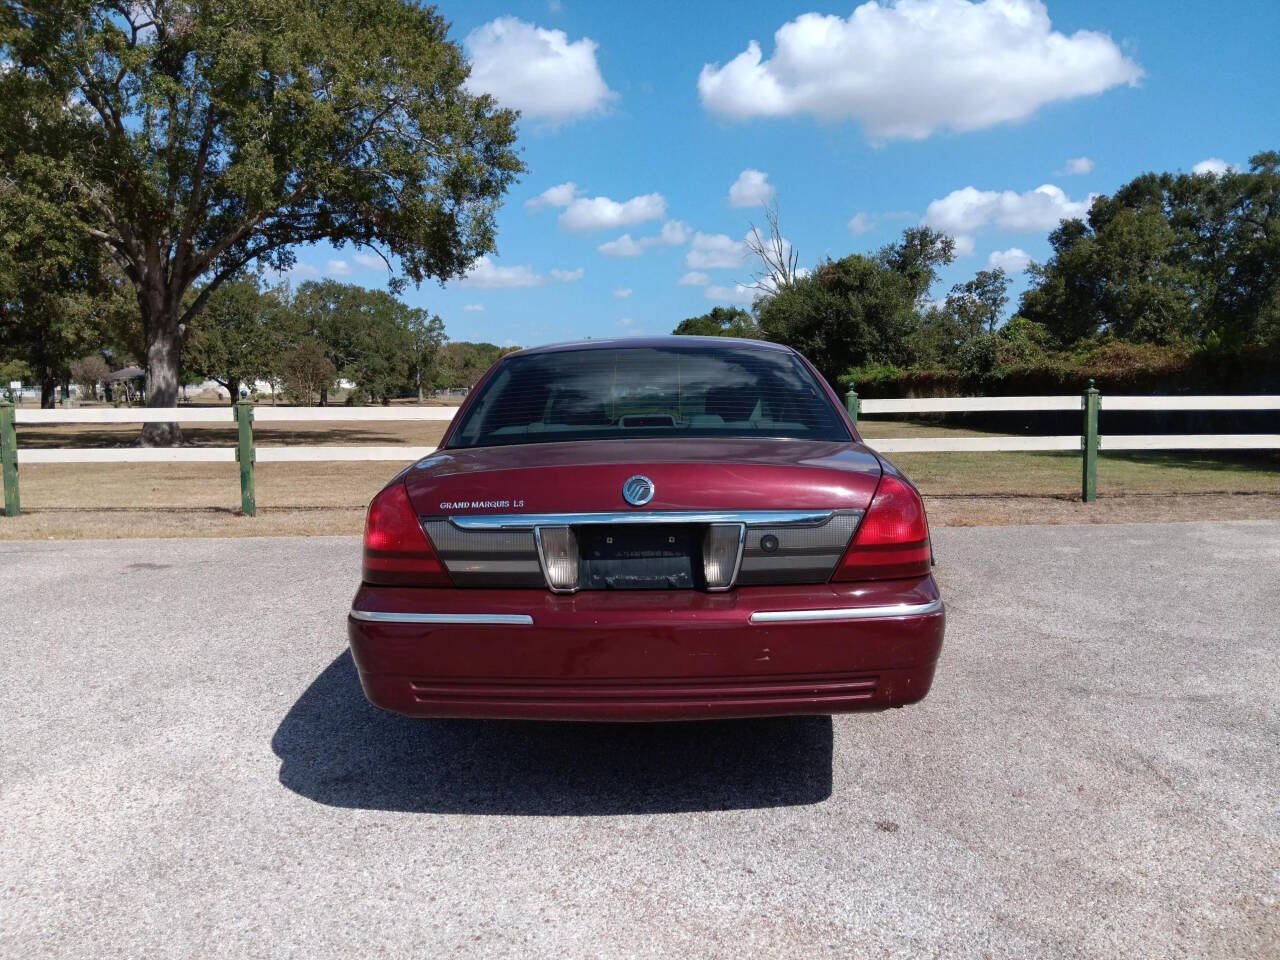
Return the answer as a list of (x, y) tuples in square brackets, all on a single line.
[(1079, 166), (965, 211), (369, 261), (964, 245), (487, 275), (625, 322), (338, 268), (297, 270), (715, 252), (622, 293), (862, 223), (1013, 260), (751, 189), (694, 278), (536, 71), (738, 294), (474, 307), (915, 67), (560, 195), (624, 246), (673, 234), (1214, 165), (600, 213)]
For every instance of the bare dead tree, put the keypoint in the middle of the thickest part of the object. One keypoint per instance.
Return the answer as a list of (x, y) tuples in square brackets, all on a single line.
[(777, 257)]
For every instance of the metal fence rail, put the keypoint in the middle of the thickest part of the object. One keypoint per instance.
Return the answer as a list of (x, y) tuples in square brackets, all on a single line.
[(247, 454)]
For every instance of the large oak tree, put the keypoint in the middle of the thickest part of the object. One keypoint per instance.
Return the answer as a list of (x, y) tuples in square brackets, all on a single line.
[(859, 309), (198, 136), (55, 285), (1169, 258)]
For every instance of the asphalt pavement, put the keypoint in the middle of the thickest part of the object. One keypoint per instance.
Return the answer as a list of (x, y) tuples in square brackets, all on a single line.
[(189, 769)]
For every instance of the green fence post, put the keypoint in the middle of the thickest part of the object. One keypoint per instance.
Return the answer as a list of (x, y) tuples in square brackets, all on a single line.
[(1089, 444), (853, 405), (244, 453), (9, 459)]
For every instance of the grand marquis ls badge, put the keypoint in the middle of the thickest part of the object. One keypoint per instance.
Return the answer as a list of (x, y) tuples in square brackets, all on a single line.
[(638, 490)]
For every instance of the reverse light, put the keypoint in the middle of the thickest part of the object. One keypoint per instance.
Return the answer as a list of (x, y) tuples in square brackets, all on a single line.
[(396, 549), (892, 541), (559, 549), (721, 549)]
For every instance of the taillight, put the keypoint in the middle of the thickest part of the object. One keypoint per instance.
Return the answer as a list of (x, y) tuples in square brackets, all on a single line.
[(893, 539), (396, 550)]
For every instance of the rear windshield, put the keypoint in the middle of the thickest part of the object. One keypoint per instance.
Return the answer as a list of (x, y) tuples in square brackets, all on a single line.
[(598, 394)]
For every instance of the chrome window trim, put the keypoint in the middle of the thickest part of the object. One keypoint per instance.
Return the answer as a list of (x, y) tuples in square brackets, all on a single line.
[(518, 521), (847, 613), (473, 619)]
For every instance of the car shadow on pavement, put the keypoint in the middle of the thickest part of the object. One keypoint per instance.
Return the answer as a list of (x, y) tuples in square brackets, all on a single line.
[(339, 750)]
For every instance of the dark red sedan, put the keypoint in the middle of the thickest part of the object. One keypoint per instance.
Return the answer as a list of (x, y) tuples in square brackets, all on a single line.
[(654, 529)]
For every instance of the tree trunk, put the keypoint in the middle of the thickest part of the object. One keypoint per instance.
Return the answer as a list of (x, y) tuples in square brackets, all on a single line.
[(48, 393), (164, 343)]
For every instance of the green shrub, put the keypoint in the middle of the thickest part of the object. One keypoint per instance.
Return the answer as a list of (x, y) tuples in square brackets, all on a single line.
[(1020, 366)]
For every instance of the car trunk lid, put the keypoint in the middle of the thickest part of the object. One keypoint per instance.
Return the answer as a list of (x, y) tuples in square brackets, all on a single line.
[(588, 476)]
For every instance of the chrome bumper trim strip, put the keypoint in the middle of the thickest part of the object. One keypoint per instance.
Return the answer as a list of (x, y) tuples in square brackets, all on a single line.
[(516, 521), (472, 619), (847, 613)]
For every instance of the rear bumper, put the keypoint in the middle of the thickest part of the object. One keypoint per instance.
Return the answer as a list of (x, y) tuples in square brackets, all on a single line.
[(681, 655)]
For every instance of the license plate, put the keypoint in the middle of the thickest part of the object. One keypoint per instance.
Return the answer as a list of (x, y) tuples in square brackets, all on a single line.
[(638, 558)]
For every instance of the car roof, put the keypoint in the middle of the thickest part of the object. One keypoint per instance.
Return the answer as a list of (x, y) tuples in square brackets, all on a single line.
[(616, 343)]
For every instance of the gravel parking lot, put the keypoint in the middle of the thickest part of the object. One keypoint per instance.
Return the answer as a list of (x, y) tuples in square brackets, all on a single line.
[(190, 769)]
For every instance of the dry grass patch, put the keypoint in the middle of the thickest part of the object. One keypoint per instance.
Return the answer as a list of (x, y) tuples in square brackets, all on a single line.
[(203, 486)]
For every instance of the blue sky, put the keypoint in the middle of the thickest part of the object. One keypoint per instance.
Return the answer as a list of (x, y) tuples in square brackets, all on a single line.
[(941, 111)]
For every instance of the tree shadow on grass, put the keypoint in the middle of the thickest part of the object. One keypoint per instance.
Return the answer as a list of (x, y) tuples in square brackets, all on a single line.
[(339, 750), (1263, 462)]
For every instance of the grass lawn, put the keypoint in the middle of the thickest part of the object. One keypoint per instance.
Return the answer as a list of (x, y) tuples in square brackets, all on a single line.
[(1057, 474), (112, 500)]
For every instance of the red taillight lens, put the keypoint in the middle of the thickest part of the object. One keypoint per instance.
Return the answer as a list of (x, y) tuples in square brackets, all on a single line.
[(893, 539), (396, 550)]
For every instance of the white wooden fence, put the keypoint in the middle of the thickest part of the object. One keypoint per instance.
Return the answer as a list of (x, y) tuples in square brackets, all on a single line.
[(1215, 441), (368, 452), (293, 453)]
